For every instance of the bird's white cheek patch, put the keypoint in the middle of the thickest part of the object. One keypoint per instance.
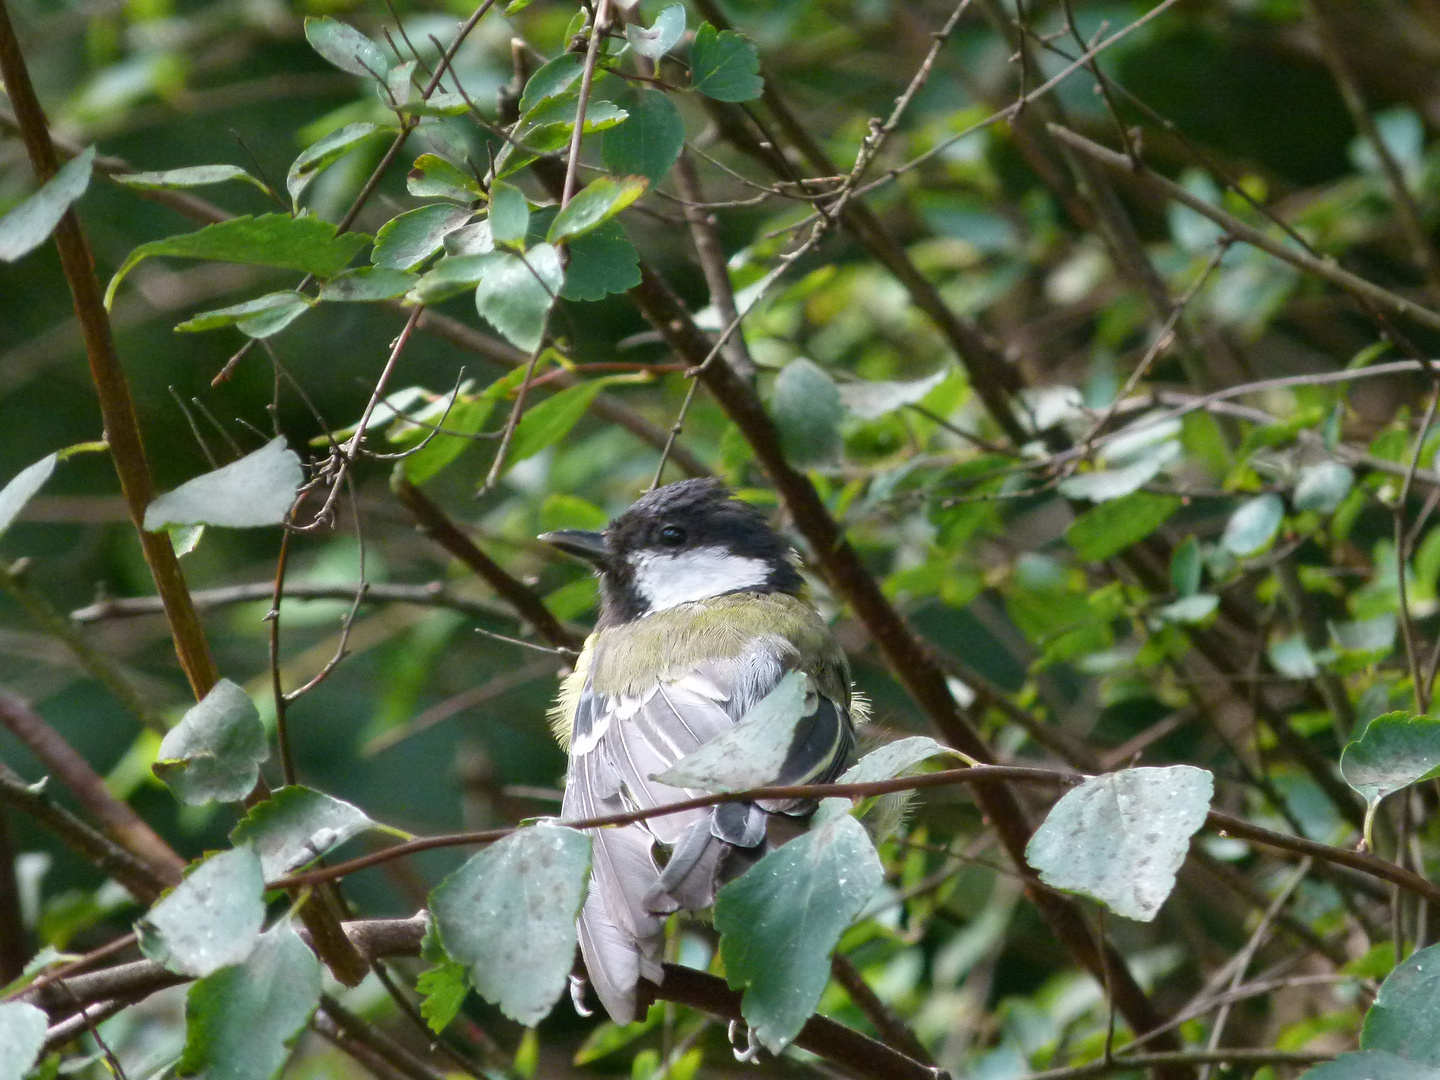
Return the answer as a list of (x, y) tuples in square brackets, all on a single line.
[(667, 580)]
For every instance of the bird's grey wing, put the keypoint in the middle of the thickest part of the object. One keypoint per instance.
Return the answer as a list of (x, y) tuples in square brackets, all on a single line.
[(620, 938)]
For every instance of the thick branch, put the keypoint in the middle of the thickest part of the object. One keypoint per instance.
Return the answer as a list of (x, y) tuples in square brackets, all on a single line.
[(122, 430)]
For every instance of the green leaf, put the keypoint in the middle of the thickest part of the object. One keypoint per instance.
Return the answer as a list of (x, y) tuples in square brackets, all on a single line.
[(215, 752), (602, 262), (1253, 525), (509, 214), (188, 177), (1111, 527), (1102, 485), (449, 277), (664, 35), (472, 239), (894, 759), (753, 752), (319, 156), (509, 915), (405, 241), (28, 225), (1292, 658), (259, 489), (242, 1022), (1405, 1019), (442, 990), (465, 419), (872, 400), (547, 127), (298, 825), (434, 177), (1186, 566), (1190, 609), (258, 318), (1371, 1065), (516, 292), (367, 283), (724, 65), (1121, 837), (1394, 751), (609, 1037), (22, 488), (1323, 486), (22, 1037), (551, 420), (600, 201), (562, 511), (780, 921), (305, 244), (649, 142), (210, 920), (551, 80), (346, 48), (805, 404)]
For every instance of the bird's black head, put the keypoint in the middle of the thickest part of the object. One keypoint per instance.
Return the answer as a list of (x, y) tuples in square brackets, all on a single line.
[(686, 541)]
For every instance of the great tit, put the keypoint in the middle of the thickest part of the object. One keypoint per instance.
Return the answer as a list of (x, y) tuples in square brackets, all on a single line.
[(702, 613)]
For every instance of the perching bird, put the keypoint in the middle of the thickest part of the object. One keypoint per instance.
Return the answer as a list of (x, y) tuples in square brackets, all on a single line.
[(702, 614)]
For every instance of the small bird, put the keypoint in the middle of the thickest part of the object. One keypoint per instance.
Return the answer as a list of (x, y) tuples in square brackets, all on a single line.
[(702, 614)]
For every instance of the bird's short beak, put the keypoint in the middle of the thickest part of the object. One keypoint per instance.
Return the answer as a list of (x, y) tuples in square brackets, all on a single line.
[(589, 546)]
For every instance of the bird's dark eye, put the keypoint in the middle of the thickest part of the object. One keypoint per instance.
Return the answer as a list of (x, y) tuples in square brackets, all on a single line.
[(672, 536)]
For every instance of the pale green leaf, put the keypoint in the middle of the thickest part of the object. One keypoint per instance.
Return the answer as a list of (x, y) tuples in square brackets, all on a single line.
[(298, 825), (1395, 750), (509, 214), (258, 318), (366, 283), (1121, 837), (516, 292), (1323, 486), (22, 488), (509, 915), (347, 48), (658, 39), (28, 225), (215, 752), (1111, 527), (753, 752), (259, 489), (22, 1036), (319, 156), (210, 920), (187, 177), (601, 200), (406, 241), (1253, 525)]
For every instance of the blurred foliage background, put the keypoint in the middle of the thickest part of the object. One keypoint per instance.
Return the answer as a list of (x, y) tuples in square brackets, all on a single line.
[(431, 725)]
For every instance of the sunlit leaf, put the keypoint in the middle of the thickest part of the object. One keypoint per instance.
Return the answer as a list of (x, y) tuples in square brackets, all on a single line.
[(216, 750), (1121, 837), (242, 1022), (22, 1035), (28, 225), (600, 200), (551, 80), (659, 38), (509, 915), (1253, 525), (781, 920), (210, 920), (256, 490), (434, 177), (22, 488), (347, 48)]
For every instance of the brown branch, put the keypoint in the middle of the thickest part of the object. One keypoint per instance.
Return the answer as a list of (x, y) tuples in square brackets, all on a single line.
[(95, 848), (1325, 269), (122, 430), (66, 765), (437, 525), (894, 1031)]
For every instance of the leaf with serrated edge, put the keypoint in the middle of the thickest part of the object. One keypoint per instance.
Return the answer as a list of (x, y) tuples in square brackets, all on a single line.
[(602, 262), (256, 490), (22, 1037), (724, 65), (216, 750), (601, 200), (649, 142), (781, 920), (28, 225), (22, 488), (210, 920), (509, 915), (752, 753), (298, 825), (1121, 837), (242, 1022), (305, 244)]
